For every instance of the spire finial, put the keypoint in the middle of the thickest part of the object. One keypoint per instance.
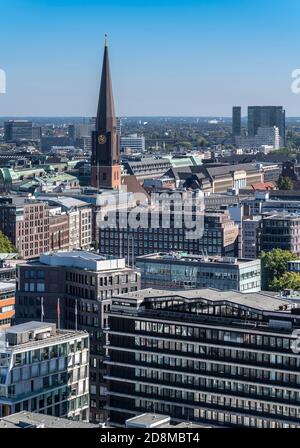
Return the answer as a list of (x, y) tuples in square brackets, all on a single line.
[(106, 40)]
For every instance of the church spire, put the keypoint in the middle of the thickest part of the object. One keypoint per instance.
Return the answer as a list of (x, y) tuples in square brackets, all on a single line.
[(106, 118), (105, 163)]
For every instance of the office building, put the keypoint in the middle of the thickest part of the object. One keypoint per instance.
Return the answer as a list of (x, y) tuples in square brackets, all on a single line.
[(251, 230), (184, 271), (85, 283), (236, 120), (36, 133), (266, 139), (105, 162), (266, 116), (133, 142), (17, 130), (205, 356), (80, 221), (26, 223), (219, 237), (281, 230), (46, 370)]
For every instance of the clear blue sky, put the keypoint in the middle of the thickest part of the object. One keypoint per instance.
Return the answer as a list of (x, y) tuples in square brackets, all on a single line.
[(168, 57)]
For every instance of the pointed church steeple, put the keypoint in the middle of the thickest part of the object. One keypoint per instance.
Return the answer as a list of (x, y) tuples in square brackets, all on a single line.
[(106, 117), (106, 170)]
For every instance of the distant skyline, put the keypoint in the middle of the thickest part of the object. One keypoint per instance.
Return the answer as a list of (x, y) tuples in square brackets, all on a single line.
[(168, 58)]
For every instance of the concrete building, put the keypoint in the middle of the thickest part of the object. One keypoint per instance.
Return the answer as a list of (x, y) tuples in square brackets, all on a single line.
[(59, 234), (266, 116), (266, 139), (184, 271), (219, 237), (236, 120), (44, 370), (204, 356), (251, 236), (281, 230), (17, 130), (85, 283), (134, 143), (220, 178), (79, 217)]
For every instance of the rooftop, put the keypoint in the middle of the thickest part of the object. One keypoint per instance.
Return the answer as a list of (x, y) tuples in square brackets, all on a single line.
[(83, 260), (27, 419), (32, 334), (262, 301), (148, 420), (191, 258)]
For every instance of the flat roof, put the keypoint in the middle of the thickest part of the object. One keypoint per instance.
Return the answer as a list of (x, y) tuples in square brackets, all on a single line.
[(260, 301), (28, 326), (148, 419), (83, 260), (185, 257), (27, 419)]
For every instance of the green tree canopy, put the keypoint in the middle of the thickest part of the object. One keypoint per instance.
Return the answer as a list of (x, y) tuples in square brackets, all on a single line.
[(274, 265), (5, 245), (289, 280), (285, 183)]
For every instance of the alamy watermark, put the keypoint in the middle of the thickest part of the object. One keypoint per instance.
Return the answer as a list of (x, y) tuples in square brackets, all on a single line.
[(163, 210), (295, 343), (2, 81)]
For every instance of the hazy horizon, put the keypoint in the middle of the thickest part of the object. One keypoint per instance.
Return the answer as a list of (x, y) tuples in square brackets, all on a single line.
[(169, 58)]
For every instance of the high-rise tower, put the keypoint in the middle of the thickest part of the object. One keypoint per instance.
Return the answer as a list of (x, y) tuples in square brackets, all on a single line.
[(105, 166)]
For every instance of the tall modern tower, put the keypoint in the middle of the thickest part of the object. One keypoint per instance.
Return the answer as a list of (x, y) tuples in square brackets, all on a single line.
[(236, 120), (266, 116), (105, 166)]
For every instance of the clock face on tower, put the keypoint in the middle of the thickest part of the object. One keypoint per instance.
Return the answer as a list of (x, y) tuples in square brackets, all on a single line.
[(101, 139)]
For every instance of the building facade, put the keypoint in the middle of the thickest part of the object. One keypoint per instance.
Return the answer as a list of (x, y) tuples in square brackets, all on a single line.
[(85, 283), (44, 370), (219, 236), (266, 116), (17, 130), (185, 271), (281, 230), (207, 356), (133, 142), (26, 223), (236, 120)]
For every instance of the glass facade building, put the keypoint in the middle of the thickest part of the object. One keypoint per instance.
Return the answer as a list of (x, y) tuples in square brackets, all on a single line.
[(44, 370), (222, 358), (185, 271)]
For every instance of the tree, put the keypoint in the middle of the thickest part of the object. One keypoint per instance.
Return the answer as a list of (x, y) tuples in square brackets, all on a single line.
[(274, 264), (289, 280), (285, 183), (5, 245)]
